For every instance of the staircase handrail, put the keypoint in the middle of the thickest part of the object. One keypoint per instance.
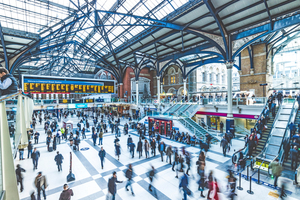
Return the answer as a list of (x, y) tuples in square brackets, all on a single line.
[(9, 96)]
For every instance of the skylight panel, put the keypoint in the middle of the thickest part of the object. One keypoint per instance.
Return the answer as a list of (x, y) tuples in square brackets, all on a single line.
[(150, 4), (130, 4), (141, 11)]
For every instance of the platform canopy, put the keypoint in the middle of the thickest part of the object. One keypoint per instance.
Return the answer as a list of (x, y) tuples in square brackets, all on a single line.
[(73, 37)]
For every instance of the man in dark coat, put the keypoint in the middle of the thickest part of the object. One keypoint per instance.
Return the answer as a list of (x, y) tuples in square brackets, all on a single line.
[(162, 149), (59, 159), (112, 187), (102, 154), (131, 149), (19, 175), (66, 193), (35, 158), (294, 157), (224, 145), (153, 147), (128, 175), (140, 147), (129, 140)]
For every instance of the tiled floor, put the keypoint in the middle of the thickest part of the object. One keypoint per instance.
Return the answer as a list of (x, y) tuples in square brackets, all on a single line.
[(91, 180)]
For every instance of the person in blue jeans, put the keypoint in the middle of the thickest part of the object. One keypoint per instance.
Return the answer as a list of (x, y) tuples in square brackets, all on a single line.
[(128, 175), (184, 182), (21, 151)]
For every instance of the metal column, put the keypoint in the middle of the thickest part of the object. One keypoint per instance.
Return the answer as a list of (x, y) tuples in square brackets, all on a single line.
[(158, 91), (137, 92), (229, 120)]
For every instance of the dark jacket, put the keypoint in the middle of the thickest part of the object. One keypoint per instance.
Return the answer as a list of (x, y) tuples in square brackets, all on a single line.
[(163, 147), (19, 175), (294, 154), (66, 194), (184, 181), (30, 147), (102, 154), (13, 88), (224, 143), (112, 187), (58, 159), (131, 146), (129, 140), (128, 174), (35, 155), (140, 146)]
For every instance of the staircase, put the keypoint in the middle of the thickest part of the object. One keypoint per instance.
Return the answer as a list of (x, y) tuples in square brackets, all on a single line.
[(192, 109), (181, 109), (172, 109), (197, 129), (265, 134)]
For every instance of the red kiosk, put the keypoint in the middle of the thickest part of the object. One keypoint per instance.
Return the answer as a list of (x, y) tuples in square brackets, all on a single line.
[(164, 125)]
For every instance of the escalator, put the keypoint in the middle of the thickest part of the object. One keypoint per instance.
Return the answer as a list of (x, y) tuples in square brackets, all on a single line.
[(280, 131), (262, 140)]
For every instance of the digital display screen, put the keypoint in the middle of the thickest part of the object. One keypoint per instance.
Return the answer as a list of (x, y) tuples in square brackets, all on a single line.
[(47, 85)]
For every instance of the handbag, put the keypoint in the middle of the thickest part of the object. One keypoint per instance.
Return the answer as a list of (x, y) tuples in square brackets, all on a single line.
[(108, 196)]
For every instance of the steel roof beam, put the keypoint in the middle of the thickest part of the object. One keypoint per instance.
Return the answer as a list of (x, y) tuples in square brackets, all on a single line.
[(4, 48)]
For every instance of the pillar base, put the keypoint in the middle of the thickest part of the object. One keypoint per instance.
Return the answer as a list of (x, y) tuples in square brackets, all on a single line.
[(229, 123)]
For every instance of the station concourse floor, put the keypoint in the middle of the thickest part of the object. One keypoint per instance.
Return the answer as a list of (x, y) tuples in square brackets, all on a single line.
[(91, 180)]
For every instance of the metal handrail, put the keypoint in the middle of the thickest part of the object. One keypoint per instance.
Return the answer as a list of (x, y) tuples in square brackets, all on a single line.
[(236, 153), (296, 173), (285, 135), (6, 97)]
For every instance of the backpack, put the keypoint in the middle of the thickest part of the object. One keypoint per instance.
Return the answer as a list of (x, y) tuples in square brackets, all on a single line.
[(127, 174)]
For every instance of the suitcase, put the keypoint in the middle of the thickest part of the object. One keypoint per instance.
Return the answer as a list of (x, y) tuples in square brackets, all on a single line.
[(50, 149)]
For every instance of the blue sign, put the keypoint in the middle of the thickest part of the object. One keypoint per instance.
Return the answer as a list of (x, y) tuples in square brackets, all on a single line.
[(84, 149), (81, 105), (14, 109), (99, 105), (50, 107)]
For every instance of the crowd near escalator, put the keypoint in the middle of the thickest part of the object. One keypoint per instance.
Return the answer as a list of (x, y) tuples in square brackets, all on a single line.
[(255, 143)]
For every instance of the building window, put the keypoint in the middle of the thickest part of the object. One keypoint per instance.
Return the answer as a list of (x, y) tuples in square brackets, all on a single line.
[(217, 78), (210, 78), (223, 79), (173, 79), (203, 77)]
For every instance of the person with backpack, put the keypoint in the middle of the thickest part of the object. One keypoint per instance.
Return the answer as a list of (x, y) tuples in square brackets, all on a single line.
[(128, 175), (276, 170), (66, 193)]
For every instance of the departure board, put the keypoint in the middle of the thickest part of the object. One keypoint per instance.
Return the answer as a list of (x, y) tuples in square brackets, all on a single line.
[(47, 85)]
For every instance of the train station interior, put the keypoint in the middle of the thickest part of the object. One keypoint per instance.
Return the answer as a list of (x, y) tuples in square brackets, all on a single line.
[(149, 99)]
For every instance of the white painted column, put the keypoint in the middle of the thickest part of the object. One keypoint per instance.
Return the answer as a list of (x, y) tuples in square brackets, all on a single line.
[(230, 119), (158, 90), (137, 92), (184, 89)]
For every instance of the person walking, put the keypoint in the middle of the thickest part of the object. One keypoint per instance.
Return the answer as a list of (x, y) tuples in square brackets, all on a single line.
[(94, 137), (118, 149), (146, 147), (100, 137), (273, 108), (131, 149), (140, 148), (184, 182), (102, 154), (201, 182), (128, 175), (54, 143), (36, 137), (224, 145), (35, 158), (210, 184), (29, 148), (176, 158), (188, 162), (19, 176), (40, 183), (66, 194), (162, 149), (129, 140), (112, 186), (59, 160), (151, 175), (294, 157), (221, 126), (153, 147), (169, 154), (276, 170)]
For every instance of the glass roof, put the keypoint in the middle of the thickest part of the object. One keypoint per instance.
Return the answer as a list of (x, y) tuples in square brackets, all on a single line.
[(47, 17)]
